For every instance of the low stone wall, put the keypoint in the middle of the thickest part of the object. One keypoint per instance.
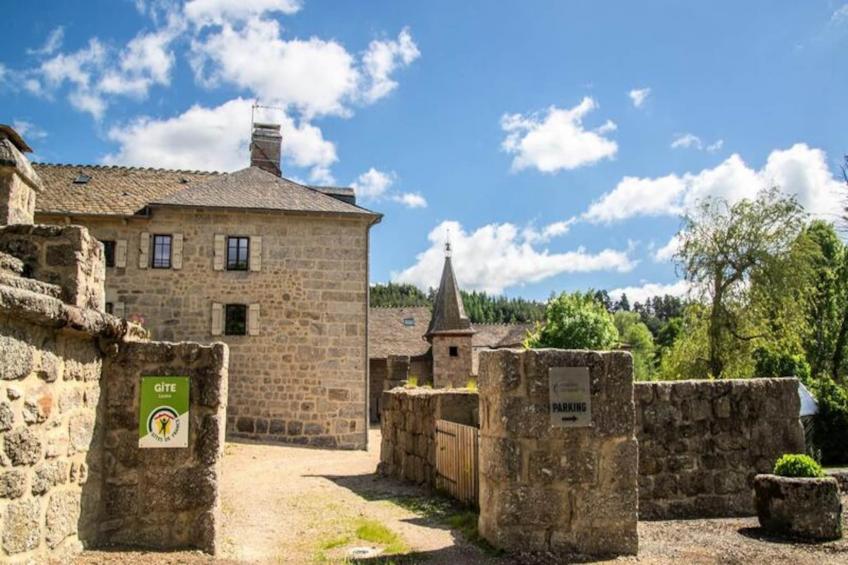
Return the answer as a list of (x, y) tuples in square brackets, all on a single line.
[(408, 424), (545, 488), (702, 442), (163, 498)]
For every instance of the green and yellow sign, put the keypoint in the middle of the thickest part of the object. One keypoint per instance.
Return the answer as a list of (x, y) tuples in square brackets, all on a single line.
[(163, 420)]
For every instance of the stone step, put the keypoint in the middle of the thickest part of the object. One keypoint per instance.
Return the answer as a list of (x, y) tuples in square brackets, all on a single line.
[(32, 285), (11, 264)]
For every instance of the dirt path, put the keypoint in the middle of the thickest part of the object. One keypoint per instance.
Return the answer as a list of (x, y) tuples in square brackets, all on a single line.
[(295, 505)]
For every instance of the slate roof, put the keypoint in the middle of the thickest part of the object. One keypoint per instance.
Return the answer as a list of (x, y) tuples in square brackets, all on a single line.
[(448, 311), (118, 191), (257, 189), (126, 191), (388, 335), (495, 336)]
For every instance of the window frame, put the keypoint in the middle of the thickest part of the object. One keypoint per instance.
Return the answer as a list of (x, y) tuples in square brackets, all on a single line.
[(109, 247), (153, 242), (226, 316), (237, 266)]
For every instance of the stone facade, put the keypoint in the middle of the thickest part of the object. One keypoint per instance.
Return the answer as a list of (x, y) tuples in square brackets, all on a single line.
[(452, 361), (702, 442), (408, 421), (163, 498), (19, 184), (299, 375), (560, 490)]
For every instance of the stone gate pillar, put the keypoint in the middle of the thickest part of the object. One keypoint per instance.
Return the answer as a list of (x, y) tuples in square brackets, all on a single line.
[(558, 454)]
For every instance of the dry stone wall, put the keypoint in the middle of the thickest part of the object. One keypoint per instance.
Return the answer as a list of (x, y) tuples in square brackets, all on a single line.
[(408, 424), (565, 490), (163, 498), (300, 376), (702, 442)]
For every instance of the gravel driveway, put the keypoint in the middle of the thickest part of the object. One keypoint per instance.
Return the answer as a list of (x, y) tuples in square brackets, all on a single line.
[(297, 505)]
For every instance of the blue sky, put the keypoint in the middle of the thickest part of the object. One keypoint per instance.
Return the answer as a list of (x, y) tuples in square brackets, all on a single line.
[(557, 142)]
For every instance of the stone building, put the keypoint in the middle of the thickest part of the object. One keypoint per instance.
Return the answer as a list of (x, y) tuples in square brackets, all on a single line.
[(275, 269), (439, 347)]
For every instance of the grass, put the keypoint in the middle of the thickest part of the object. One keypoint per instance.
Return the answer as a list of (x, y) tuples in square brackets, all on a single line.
[(412, 381), (375, 532), (361, 530), (471, 384)]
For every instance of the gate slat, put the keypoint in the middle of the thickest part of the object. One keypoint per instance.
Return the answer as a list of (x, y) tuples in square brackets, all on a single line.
[(457, 460)]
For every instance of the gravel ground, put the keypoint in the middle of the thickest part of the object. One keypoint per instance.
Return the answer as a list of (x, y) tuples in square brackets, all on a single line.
[(297, 505)]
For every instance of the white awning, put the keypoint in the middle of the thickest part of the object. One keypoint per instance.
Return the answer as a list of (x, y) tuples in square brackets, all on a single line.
[(809, 406)]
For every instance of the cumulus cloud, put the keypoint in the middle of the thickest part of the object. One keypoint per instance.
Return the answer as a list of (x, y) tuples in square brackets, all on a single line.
[(556, 140), (205, 12), (668, 251), (646, 290), (800, 170), (497, 256), (215, 138), (548, 232), (28, 129), (638, 96), (382, 58), (410, 200), (692, 141), (372, 184)]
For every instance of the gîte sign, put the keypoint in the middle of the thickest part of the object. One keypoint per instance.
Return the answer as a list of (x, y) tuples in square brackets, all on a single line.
[(570, 397), (164, 414)]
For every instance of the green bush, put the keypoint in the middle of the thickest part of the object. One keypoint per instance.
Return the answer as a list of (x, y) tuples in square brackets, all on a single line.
[(575, 321), (797, 465), (830, 425), (770, 363)]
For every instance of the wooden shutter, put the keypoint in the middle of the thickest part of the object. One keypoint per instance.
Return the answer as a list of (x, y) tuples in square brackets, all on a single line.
[(217, 318), (121, 253), (143, 250), (256, 253), (119, 309), (253, 319), (220, 252), (177, 252)]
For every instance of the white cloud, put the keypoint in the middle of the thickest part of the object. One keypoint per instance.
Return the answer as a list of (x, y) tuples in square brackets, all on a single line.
[(496, 256), (556, 141), (28, 129), (800, 170), (669, 250), (51, 44), (715, 146), (205, 12), (315, 76), (410, 200), (638, 96), (840, 15), (548, 232), (687, 141), (384, 57), (215, 138), (372, 184), (647, 290)]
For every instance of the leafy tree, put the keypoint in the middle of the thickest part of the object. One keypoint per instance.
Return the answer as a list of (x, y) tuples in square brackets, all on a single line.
[(397, 295), (603, 297), (623, 303), (724, 248), (575, 321), (636, 335), (830, 426)]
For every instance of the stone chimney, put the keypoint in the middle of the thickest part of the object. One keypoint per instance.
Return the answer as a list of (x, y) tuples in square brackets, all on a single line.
[(265, 145), (19, 183)]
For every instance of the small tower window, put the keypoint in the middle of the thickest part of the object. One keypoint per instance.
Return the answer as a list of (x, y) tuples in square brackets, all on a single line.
[(409, 322), (82, 178), (453, 351)]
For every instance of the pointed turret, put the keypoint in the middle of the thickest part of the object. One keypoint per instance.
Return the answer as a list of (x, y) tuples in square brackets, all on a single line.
[(448, 312)]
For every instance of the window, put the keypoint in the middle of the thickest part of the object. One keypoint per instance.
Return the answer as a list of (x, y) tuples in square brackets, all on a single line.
[(453, 351), (161, 251), (109, 253), (110, 308), (238, 250), (409, 322), (235, 319)]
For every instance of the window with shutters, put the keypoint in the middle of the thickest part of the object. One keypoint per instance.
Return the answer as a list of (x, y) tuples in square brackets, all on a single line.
[(235, 319), (109, 253), (238, 252), (161, 252)]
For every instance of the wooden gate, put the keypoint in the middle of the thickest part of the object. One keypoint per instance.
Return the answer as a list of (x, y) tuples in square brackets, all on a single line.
[(456, 460)]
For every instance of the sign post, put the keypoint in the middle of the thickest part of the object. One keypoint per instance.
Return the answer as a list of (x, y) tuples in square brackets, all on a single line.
[(570, 397), (164, 415)]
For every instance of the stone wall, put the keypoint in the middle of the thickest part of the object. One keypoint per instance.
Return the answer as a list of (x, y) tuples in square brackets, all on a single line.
[(564, 490), (19, 184), (163, 498), (302, 377), (702, 442), (448, 370), (408, 424)]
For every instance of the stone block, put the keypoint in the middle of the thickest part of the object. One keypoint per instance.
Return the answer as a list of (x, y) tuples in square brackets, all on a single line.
[(809, 508), (18, 359), (12, 484), (48, 475), (7, 416), (81, 431), (63, 514), (22, 446), (21, 526)]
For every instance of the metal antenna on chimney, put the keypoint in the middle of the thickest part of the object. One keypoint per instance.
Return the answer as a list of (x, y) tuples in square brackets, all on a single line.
[(265, 140)]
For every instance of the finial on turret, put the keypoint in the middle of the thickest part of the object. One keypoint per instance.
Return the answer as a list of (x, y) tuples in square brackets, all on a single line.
[(448, 245)]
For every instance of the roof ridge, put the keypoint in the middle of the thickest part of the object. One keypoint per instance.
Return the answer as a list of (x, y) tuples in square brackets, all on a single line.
[(129, 168)]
